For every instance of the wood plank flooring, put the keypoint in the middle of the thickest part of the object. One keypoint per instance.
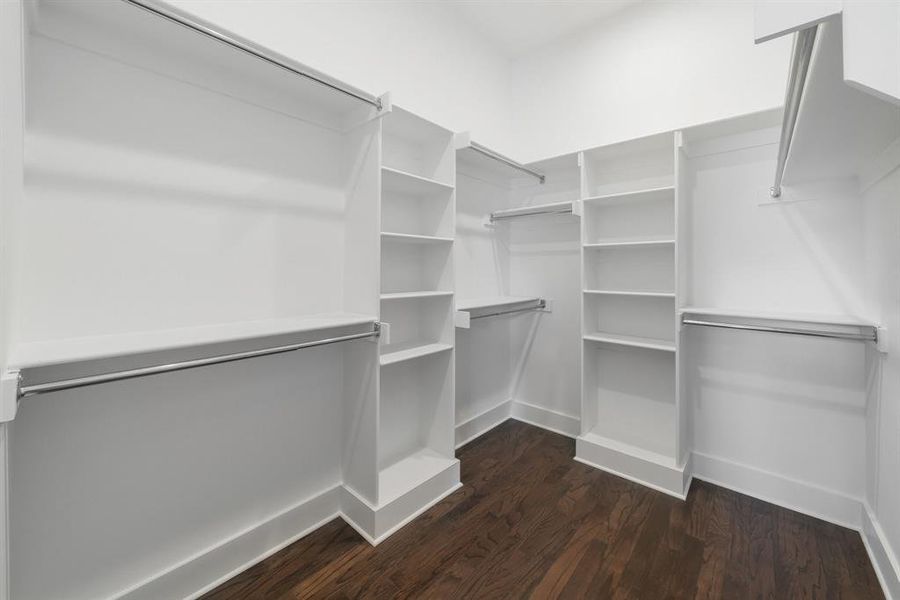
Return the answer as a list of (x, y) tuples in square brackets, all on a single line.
[(532, 523)]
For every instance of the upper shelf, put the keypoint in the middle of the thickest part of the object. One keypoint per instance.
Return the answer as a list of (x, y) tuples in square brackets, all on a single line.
[(170, 42), (554, 208), (476, 304), (839, 128), (56, 352), (477, 159), (810, 318)]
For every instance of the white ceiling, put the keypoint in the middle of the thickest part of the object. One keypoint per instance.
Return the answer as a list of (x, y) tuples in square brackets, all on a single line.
[(517, 26)]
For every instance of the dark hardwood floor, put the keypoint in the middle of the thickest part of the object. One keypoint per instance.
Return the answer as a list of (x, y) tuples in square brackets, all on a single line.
[(530, 522)]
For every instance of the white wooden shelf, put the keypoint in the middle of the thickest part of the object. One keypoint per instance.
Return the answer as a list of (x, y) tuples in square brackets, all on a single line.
[(625, 243), (632, 196), (410, 238), (72, 350), (396, 353), (410, 295), (402, 182), (552, 208), (811, 318), (631, 340), (494, 302), (648, 294), (410, 472), (840, 129)]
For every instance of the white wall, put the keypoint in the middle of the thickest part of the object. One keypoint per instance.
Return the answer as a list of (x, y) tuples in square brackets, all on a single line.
[(656, 67), (775, 416), (422, 52)]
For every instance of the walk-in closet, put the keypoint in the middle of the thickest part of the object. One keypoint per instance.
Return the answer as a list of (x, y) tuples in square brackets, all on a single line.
[(492, 299)]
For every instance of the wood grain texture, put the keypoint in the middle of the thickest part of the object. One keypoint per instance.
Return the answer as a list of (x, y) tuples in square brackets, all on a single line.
[(532, 523)]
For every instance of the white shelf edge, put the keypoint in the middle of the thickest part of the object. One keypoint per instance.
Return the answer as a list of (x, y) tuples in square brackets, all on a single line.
[(417, 178), (413, 238), (631, 293), (499, 301), (412, 352), (408, 295), (72, 350), (629, 194), (525, 211), (621, 244), (631, 341), (810, 318)]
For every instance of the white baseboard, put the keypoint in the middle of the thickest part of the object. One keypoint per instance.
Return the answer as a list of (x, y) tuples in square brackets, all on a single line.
[(377, 523), (884, 561), (807, 498), (545, 418), (207, 569), (483, 422), (674, 480)]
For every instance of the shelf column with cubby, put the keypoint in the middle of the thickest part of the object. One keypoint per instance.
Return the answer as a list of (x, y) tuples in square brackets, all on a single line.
[(414, 430), (630, 419)]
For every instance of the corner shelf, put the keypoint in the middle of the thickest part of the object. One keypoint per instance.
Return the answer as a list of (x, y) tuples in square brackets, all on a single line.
[(396, 353), (631, 340)]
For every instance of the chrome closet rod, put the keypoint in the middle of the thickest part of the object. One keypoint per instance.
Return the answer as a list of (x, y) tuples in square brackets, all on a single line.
[(870, 337), (540, 306), (79, 382), (526, 212), (506, 160), (256, 51), (801, 56)]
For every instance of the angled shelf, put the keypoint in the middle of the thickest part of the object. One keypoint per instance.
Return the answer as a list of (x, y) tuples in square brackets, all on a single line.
[(840, 129), (396, 353), (631, 340)]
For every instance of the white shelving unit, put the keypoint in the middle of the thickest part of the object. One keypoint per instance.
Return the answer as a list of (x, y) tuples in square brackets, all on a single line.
[(630, 406), (416, 463)]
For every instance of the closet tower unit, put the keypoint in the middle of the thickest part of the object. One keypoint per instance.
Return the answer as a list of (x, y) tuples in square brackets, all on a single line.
[(631, 407), (416, 462)]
